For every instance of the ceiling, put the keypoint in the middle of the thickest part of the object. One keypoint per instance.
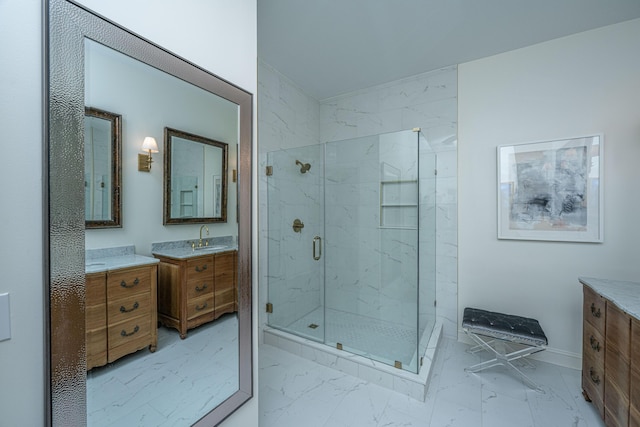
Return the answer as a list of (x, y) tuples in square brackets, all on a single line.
[(331, 47)]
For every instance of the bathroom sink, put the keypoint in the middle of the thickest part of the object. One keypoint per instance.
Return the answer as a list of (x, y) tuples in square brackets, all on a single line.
[(94, 264), (209, 248)]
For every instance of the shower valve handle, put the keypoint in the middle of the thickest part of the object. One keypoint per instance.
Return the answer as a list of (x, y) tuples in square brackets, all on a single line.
[(317, 242)]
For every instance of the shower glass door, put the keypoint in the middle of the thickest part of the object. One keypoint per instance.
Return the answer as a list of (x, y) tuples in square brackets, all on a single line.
[(295, 217), (348, 274), (371, 247)]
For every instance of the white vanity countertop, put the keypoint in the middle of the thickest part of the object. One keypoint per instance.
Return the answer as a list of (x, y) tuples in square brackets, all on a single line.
[(186, 253), (183, 249), (625, 295), (107, 259)]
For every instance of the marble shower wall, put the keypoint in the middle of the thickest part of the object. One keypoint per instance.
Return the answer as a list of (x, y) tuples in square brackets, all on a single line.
[(427, 101), (371, 270), (289, 118)]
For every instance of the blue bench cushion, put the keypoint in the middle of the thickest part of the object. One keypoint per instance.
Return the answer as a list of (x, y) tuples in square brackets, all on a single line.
[(521, 330)]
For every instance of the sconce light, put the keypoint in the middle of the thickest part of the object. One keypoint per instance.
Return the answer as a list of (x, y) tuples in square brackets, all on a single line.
[(149, 145)]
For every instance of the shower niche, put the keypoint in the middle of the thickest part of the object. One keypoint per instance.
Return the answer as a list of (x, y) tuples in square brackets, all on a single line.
[(369, 290)]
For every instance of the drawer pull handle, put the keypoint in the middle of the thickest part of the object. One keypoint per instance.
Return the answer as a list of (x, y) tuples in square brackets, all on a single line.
[(198, 308), (594, 312), (595, 378), (200, 289), (135, 283), (200, 270), (595, 344), (125, 334), (124, 310)]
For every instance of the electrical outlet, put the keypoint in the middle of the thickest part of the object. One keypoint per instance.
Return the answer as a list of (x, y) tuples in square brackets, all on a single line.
[(5, 318)]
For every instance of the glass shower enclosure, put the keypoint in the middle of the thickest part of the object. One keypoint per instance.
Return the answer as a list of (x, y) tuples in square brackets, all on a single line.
[(351, 245)]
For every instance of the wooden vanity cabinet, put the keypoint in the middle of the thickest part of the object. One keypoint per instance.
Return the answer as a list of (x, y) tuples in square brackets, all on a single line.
[(593, 348), (610, 361), (634, 389), (196, 290), (120, 313), (616, 361), (95, 319)]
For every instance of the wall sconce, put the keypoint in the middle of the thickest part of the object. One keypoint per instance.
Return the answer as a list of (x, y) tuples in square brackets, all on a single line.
[(149, 145)]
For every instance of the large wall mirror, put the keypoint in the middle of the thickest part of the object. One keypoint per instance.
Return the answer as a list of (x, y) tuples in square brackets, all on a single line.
[(95, 63), (195, 178)]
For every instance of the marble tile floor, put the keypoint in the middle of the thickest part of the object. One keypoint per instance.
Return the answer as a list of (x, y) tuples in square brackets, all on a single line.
[(297, 392), (175, 386)]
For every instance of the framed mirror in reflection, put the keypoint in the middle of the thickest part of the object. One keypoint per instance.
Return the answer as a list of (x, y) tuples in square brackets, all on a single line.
[(197, 380), (195, 181), (102, 168)]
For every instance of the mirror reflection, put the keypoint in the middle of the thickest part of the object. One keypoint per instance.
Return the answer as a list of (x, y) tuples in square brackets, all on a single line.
[(195, 178), (102, 173), (141, 298)]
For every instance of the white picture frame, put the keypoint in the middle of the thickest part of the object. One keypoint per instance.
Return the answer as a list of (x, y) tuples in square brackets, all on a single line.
[(551, 190)]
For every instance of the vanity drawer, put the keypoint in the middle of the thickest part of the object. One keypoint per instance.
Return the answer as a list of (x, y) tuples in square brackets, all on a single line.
[(199, 288), (593, 380), (200, 268), (124, 309), (594, 308), (129, 336), (593, 345), (199, 306), (124, 283)]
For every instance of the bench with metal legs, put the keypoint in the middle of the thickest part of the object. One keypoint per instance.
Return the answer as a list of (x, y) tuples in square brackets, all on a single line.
[(506, 337)]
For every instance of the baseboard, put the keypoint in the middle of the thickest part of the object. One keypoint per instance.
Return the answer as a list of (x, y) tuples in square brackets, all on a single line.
[(552, 355)]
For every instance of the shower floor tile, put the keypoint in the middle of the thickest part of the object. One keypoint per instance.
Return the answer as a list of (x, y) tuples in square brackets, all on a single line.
[(384, 341), (291, 386)]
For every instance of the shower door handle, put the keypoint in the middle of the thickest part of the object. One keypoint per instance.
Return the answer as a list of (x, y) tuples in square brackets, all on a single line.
[(317, 243)]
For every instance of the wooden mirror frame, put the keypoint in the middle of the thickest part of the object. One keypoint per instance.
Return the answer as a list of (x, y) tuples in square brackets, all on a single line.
[(168, 172), (67, 25), (116, 168)]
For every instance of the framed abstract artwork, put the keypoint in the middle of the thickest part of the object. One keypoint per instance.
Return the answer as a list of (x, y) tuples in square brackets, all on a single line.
[(551, 190)]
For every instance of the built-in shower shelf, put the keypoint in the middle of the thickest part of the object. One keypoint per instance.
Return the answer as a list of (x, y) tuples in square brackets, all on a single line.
[(399, 204)]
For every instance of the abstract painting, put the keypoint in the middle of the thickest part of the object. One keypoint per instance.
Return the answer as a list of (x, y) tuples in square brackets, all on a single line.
[(551, 190)]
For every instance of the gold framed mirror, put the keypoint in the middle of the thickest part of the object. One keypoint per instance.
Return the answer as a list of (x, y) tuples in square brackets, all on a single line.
[(102, 168), (195, 178), (71, 28)]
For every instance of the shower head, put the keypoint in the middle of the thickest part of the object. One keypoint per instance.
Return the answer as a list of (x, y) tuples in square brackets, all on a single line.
[(304, 167)]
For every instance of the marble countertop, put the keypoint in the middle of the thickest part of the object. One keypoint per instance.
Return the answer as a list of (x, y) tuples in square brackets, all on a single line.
[(625, 295), (100, 260), (183, 249)]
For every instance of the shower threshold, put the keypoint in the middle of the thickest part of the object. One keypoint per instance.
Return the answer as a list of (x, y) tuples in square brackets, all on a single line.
[(407, 383)]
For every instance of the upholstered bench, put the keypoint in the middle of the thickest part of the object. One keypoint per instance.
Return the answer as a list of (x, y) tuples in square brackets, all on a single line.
[(506, 336)]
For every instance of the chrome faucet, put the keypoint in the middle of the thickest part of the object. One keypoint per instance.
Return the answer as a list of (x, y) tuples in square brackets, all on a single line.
[(200, 241)]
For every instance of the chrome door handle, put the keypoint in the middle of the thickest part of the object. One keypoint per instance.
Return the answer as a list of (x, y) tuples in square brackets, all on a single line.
[(317, 242)]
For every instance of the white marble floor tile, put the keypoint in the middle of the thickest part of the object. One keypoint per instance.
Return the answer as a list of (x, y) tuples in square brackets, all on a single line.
[(174, 386), (298, 392)]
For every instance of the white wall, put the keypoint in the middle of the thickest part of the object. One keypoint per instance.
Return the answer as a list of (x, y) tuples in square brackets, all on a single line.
[(219, 36), (145, 111), (579, 85), (21, 357), (427, 101)]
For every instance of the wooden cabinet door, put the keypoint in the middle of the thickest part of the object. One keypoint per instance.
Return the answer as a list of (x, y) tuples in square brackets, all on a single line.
[(96, 319), (225, 283), (616, 386)]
